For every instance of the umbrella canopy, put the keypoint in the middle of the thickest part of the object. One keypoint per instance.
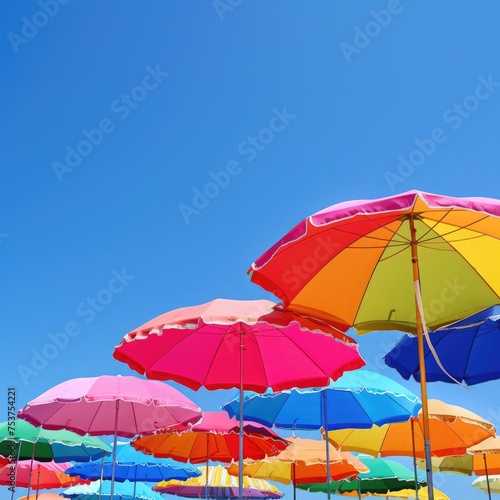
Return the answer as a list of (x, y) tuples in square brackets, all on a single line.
[(358, 399), (384, 475), (366, 245), (94, 491), (123, 406), (453, 430), (396, 263), (219, 484), (40, 475), (132, 465), (232, 343), (481, 459), (89, 405), (482, 484), (200, 346), (303, 461), (465, 464), (423, 494), (467, 349), (216, 438), (42, 496), (45, 445)]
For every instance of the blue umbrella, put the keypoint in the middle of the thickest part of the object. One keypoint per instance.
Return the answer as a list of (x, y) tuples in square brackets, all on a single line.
[(123, 490), (133, 465), (358, 399), (467, 350)]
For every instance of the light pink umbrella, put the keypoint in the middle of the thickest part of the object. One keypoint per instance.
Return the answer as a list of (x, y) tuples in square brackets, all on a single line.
[(121, 406), (249, 344)]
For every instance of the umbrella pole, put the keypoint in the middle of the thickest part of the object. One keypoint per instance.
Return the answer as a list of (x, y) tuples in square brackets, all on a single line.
[(102, 475), (114, 450), (31, 469), (487, 478), (414, 458), (359, 489), (293, 482), (421, 360), (240, 471), (325, 409), (206, 468), (37, 483)]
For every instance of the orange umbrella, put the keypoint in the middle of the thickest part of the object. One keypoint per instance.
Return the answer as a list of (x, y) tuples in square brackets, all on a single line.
[(453, 429), (482, 459), (303, 461), (216, 437)]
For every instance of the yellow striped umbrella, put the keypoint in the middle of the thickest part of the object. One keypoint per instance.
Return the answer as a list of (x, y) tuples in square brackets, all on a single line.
[(218, 484)]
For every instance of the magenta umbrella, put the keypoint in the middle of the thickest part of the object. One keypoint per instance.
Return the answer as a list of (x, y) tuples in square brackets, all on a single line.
[(248, 344), (121, 406)]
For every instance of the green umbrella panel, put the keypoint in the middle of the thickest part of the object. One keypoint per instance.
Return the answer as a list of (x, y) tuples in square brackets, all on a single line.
[(384, 475)]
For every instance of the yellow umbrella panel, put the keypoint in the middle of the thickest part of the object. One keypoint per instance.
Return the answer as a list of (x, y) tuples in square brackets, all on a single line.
[(216, 482)]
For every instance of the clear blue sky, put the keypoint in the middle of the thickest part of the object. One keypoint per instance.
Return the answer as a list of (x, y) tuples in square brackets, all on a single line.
[(118, 116)]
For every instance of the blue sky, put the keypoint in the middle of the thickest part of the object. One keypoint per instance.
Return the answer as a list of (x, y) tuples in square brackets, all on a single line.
[(152, 150)]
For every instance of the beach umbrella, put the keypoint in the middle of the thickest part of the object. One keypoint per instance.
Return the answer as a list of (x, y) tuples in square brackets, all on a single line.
[(215, 438), (467, 349), (45, 475), (227, 344), (35, 443), (453, 429), (46, 445), (403, 262), (359, 398), (97, 489), (384, 475), (219, 484), (42, 496), (423, 494), (120, 406), (132, 465), (303, 461), (490, 485), (482, 459)]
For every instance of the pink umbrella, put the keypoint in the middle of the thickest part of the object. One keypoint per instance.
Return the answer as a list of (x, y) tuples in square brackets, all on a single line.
[(46, 475), (234, 343), (122, 406)]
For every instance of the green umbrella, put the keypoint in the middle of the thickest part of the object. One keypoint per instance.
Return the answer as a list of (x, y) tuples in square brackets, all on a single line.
[(44, 445), (385, 475)]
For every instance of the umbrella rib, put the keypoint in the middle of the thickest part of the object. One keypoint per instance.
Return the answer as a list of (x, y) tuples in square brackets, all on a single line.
[(459, 228)]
